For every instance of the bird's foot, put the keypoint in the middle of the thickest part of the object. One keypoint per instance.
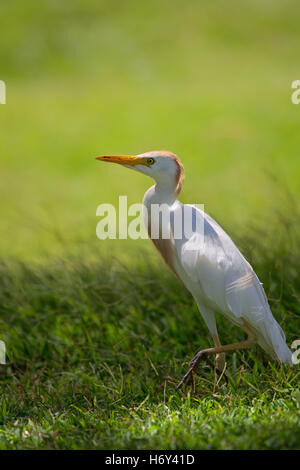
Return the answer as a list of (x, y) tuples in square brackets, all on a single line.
[(189, 376)]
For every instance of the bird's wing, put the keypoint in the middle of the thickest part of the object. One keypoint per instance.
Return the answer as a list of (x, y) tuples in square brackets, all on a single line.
[(228, 282), (210, 257)]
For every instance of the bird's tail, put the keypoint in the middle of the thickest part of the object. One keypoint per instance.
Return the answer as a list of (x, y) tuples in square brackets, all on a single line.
[(272, 339), (270, 336)]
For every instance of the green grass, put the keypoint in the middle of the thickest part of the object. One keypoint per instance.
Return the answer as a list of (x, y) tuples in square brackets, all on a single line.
[(96, 343), (96, 350)]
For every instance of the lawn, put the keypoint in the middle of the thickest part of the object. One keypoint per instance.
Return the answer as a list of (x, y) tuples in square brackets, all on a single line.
[(98, 333)]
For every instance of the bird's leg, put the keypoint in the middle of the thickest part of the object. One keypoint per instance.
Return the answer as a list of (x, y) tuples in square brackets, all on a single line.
[(248, 343), (220, 364)]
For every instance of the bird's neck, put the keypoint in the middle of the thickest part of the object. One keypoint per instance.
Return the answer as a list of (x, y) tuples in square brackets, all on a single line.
[(161, 194)]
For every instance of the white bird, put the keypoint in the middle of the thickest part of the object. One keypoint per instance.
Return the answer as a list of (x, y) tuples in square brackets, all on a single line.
[(207, 262)]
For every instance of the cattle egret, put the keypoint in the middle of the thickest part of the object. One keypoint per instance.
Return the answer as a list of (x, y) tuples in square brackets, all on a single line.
[(209, 264)]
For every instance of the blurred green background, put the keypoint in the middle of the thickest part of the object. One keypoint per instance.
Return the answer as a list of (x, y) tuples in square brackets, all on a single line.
[(96, 346), (210, 81)]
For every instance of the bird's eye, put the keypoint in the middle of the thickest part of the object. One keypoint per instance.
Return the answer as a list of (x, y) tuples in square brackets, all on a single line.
[(150, 161)]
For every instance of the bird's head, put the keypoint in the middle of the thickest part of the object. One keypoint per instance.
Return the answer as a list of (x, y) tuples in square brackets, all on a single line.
[(164, 167)]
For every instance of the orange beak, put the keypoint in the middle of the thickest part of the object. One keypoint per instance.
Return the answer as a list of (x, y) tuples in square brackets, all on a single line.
[(122, 159)]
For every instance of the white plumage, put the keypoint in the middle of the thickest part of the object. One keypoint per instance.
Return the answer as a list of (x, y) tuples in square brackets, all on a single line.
[(222, 280), (207, 261)]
